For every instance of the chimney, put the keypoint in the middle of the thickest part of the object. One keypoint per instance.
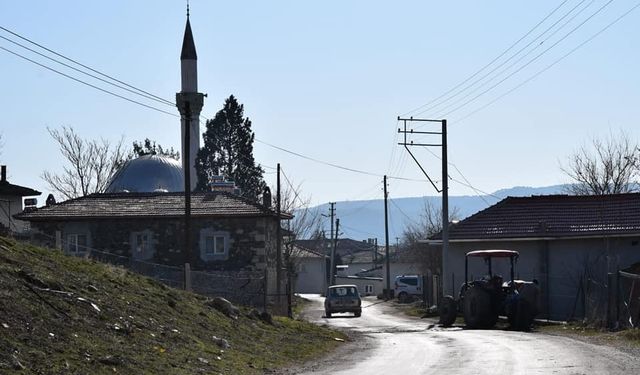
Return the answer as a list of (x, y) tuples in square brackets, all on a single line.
[(4, 173), (266, 197)]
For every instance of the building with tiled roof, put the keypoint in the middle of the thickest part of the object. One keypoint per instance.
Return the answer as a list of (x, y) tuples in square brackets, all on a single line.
[(11, 203), (228, 232), (568, 243), (553, 216)]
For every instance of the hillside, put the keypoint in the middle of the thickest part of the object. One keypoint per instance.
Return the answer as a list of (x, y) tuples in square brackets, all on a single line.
[(60, 314), (365, 218)]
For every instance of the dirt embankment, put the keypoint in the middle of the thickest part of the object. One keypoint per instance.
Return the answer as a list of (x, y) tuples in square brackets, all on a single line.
[(60, 314)]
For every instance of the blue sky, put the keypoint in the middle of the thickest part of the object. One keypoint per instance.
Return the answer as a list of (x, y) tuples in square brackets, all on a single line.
[(328, 79)]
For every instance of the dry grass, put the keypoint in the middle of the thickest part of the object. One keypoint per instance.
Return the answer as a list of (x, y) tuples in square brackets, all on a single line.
[(60, 314)]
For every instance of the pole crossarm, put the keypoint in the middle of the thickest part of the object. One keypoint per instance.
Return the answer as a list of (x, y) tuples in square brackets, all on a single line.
[(420, 144), (418, 119), (406, 143)]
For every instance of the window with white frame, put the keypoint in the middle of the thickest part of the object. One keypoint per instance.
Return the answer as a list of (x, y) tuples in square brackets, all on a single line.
[(76, 243), (368, 289), (142, 245), (214, 245)]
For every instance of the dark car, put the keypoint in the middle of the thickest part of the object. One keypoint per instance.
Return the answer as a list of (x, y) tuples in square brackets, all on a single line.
[(341, 299)]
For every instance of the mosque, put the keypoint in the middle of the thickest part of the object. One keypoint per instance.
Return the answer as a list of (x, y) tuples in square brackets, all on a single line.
[(140, 217)]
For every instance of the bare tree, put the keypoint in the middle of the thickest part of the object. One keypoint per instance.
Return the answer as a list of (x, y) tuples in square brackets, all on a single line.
[(89, 166), (606, 166), (304, 225), (428, 225)]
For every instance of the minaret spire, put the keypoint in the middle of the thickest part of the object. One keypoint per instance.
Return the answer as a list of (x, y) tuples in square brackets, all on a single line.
[(189, 102)]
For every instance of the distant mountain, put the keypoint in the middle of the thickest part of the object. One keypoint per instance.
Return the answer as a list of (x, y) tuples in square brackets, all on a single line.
[(365, 219)]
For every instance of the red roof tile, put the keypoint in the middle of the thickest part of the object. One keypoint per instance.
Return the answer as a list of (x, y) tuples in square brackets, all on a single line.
[(553, 216)]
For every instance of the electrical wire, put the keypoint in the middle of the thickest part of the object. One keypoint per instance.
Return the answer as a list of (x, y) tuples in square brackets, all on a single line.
[(550, 65), (514, 63), (333, 164), (88, 84), (82, 65), (490, 63), (528, 62), (89, 74), (401, 211), (480, 79)]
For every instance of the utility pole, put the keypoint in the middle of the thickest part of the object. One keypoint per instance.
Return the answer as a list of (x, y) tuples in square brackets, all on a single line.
[(332, 212), (387, 295), (187, 198), (445, 185), (445, 208), (278, 239), (333, 253), (375, 250)]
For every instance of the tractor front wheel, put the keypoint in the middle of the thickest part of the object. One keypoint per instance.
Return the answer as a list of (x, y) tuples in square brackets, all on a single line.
[(448, 311), (477, 309)]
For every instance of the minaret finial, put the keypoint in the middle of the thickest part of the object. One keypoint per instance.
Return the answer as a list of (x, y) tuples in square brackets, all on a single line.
[(187, 8)]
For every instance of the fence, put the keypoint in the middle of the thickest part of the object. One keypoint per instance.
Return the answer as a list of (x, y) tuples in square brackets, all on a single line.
[(628, 300), (241, 287)]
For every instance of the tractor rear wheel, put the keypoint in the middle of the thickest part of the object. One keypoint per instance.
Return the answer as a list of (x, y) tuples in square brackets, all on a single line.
[(448, 311), (477, 308), (524, 315)]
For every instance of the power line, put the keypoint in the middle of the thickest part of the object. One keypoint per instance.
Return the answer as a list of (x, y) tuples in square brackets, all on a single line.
[(84, 66), (88, 84), (88, 74), (467, 184), (401, 211), (333, 164), (490, 63), (550, 65), (359, 231), (535, 47), (528, 62)]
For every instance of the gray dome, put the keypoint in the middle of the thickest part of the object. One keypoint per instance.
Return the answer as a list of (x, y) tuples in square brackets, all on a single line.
[(148, 173)]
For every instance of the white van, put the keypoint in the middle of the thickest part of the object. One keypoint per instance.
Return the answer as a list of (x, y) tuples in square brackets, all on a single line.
[(408, 285)]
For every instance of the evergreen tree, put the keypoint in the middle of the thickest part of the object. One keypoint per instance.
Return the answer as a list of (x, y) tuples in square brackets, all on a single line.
[(228, 152)]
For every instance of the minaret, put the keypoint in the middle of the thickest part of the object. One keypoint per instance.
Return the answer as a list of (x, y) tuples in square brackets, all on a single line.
[(189, 102)]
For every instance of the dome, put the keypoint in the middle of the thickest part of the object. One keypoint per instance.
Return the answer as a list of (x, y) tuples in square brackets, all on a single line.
[(148, 173)]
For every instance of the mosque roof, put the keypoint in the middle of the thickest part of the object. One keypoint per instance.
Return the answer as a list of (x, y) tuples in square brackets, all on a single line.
[(150, 205), (148, 173)]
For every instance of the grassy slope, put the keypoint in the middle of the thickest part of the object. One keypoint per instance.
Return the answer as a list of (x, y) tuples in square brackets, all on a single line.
[(142, 327)]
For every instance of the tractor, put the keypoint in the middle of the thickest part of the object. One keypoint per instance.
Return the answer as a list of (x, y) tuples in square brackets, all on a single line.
[(482, 301)]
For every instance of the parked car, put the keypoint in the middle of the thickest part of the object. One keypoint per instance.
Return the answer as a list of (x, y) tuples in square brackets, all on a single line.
[(341, 299), (406, 286)]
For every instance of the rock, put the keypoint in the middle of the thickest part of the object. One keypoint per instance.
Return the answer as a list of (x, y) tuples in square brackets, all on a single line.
[(203, 360), (266, 317), (224, 344), (224, 306), (110, 360)]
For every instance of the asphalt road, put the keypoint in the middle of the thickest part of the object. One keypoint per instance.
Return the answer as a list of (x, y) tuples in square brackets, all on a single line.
[(389, 343)]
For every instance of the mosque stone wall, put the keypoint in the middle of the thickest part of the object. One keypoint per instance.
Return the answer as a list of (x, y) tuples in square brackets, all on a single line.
[(251, 240)]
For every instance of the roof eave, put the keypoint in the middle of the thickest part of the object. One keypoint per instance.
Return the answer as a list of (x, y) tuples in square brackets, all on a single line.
[(436, 242)]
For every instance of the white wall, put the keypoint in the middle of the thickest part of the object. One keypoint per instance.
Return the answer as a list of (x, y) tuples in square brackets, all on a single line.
[(309, 278), (9, 206)]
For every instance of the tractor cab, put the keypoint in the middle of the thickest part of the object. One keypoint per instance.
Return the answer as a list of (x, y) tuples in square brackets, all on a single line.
[(491, 282)]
